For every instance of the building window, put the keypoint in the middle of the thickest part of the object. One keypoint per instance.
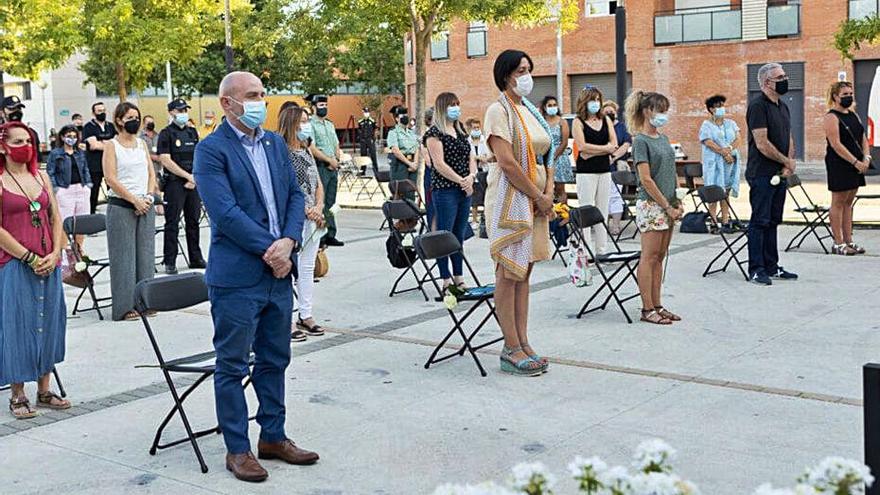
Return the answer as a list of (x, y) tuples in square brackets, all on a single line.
[(19, 89), (409, 51), (861, 9), (783, 18), (477, 44), (698, 23), (594, 8), (440, 46)]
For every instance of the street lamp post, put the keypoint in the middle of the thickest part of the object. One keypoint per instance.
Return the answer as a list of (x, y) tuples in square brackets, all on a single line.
[(43, 85), (620, 47), (227, 24)]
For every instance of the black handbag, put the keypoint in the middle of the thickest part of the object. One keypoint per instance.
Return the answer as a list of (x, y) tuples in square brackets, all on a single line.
[(695, 223), (399, 256)]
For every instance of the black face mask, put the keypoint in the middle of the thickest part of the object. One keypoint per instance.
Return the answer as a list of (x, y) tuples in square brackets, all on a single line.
[(321, 112), (781, 87), (846, 101), (132, 126), (101, 117), (151, 126), (79, 128), (404, 120), (16, 116)]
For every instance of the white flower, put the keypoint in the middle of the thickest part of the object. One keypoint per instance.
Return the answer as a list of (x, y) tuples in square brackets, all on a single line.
[(80, 266), (767, 489), (775, 180), (450, 489), (805, 490), (450, 301), (688, 488), (490, 488), (654, 456), (681, 192), (335, 209), (655, 484), (579, 465), (616, 479), (532, 474), (838, 475)]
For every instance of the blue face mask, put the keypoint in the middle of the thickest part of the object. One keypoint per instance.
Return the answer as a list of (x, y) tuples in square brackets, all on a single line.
[(594, 106), (551, 111), (659, 120), (181, 119), (453, 113), (254, 113), (305, 132), (720, 112)]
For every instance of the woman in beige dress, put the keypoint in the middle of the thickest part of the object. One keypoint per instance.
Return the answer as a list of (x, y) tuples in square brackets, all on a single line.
[(519, 204)]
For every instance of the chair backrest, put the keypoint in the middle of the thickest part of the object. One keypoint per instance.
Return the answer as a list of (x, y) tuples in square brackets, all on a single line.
[(437, 244), (170, 293), (693, 170), (793, 181), (586, 216), (711, 194), (625, 178), (382, 175), (85, 224), (401, 187), (400, 209)]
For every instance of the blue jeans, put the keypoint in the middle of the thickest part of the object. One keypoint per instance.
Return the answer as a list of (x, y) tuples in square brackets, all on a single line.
[(452, 208), (255, 318), (768, 204)]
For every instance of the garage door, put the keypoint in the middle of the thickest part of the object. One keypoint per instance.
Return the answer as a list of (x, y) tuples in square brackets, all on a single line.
[(544, 86), (607, 84)]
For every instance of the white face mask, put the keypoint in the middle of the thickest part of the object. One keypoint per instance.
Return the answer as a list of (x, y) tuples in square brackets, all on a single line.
[(524, 85)]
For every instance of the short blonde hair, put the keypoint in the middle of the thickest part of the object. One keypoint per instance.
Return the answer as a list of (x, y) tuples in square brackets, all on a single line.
[(612, 104)]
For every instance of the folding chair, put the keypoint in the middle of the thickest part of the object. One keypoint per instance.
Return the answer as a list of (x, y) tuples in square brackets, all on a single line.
[(692, 172), (363, 181), (559, 240), (732, 248), (626, 183), (590, 216), (88, 225), (182, 228), (439, 244), (399, 189), (815, 215), (403, 210), (171, 294)]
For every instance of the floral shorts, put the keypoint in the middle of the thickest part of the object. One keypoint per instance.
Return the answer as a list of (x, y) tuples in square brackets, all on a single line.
[(651, 217)]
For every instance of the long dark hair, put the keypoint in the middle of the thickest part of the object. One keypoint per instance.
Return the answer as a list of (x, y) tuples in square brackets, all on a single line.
[(547, 99), (120, 112), (66, 130), (288, 124)]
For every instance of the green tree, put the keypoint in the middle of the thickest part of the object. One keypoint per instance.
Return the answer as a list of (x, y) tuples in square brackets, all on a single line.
[(126, 40), (38, 35), (854, 32)]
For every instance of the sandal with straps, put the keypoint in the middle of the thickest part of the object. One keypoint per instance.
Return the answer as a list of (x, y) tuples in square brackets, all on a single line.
[(314, 331), (652, 316), (543, 361), (21, 408), (523, 367), (859, 249), (665, 313), (51, 400)]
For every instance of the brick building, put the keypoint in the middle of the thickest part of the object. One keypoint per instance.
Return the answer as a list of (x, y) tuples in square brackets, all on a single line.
[(686, 49)]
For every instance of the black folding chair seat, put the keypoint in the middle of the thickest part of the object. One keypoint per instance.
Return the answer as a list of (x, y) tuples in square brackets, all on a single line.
[(815, 216), (404, 212), (627, 262), (88, 225), (692, 173), (440, 244), (732, 246), (171, 294)]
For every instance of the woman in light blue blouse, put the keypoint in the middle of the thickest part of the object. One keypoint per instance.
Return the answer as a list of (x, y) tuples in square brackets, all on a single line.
[(721, 159)]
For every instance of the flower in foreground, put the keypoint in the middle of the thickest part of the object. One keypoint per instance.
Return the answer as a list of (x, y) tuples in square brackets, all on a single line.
[(532, 478), (654, 456), (586, 472)]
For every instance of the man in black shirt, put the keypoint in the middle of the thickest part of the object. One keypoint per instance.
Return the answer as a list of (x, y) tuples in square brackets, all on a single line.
[(771, 159), (13, 112), (367, 132), (176, 147), (95, 134)]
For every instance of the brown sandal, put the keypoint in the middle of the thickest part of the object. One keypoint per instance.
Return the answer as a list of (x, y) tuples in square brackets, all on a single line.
[(669, 315), (652, 316), (21, 408), (132, 316), (51, 400)]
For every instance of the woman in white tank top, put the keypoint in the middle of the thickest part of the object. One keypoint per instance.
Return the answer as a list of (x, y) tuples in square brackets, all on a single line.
[(131, 221)]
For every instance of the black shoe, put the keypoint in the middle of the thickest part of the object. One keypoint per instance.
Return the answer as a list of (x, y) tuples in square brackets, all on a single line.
[(170, 270), (298, 336), (333, 242), (760, 278), (781, 274), (198, 264), (727, 228)]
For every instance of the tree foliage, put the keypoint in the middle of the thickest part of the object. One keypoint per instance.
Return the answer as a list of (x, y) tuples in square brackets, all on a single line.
[(37, 35), (854, 32)]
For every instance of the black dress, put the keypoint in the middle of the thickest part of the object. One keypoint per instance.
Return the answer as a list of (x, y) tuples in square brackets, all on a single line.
[(842, 175)]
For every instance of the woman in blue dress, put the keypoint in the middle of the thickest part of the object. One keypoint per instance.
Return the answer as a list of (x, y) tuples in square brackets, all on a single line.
[(721, 159), (559, 133)]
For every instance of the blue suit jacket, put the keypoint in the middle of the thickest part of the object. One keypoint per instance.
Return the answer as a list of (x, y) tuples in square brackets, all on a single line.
[(228, 185)]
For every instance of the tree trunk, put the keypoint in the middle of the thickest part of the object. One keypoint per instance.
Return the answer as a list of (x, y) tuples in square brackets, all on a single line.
[(120, 83), (420, 52)]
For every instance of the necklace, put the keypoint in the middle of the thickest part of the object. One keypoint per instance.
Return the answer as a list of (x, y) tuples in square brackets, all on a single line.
[(34, 207)]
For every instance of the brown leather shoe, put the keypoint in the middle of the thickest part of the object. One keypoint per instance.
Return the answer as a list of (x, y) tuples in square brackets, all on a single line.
[(245, 467), (287, 451)]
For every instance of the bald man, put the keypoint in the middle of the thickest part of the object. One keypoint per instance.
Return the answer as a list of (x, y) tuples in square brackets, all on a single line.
[(250, 191)]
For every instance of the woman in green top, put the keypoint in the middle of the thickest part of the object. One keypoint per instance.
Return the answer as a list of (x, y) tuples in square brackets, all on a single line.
[(404, 148), (657, 207)]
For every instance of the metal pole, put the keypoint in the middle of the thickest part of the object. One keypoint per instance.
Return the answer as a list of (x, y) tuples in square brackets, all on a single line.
[(871, 405), (168, 87), (227, 24), (620, 46), (43, 87), (559, 97)]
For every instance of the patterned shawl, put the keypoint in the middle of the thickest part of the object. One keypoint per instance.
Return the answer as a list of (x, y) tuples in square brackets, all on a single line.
[(510, 241)]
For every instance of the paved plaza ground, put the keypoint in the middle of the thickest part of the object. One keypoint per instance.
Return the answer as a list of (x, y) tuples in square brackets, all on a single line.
[(754, 384)]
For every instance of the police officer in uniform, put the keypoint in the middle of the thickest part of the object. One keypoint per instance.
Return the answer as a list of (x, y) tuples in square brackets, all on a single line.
[(13, 112), (176, 147), (367, 134)]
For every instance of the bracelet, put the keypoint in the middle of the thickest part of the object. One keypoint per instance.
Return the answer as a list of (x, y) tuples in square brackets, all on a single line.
[(26, 256)]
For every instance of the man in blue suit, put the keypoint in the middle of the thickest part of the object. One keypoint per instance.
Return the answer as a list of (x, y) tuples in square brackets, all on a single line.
[(250, 191)]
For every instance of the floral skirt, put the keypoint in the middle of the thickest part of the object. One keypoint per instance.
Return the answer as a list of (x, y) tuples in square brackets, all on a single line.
[(651, 217)]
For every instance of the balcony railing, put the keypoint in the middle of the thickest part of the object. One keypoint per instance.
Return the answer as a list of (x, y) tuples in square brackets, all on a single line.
[(783, 19), (719, 23)]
